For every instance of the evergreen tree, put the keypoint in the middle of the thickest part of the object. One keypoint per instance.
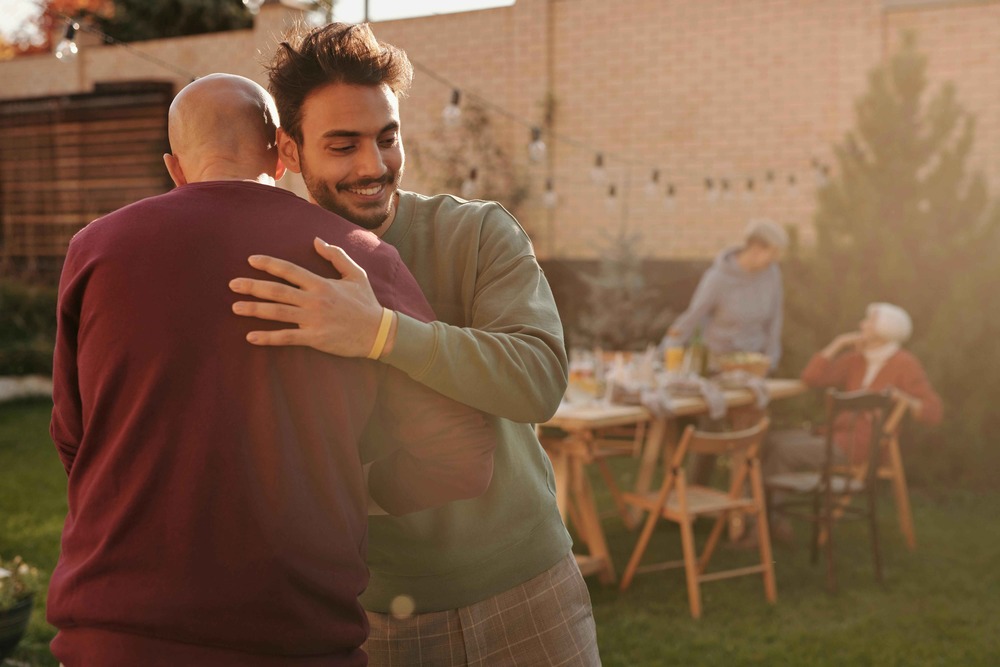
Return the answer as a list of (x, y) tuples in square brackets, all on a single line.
[(621, 313), (906, 220), (136, 20)]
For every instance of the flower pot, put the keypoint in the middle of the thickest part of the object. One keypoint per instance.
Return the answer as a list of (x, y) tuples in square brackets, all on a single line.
[(13, 623)]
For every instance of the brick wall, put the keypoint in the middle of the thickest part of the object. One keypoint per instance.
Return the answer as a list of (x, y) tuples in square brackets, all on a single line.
[(721, 89)]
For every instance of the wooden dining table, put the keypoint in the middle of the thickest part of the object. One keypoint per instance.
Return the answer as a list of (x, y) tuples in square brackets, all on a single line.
[(578, 442)]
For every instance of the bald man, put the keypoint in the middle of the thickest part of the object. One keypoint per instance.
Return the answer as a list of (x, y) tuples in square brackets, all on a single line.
[(217, 500)]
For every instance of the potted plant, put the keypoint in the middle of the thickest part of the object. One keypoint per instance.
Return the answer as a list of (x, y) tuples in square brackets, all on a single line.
[(18, 584)]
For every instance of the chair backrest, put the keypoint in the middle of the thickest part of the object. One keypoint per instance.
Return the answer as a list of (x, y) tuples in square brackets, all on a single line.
[(874, 407), (732, 442), (743, 444)]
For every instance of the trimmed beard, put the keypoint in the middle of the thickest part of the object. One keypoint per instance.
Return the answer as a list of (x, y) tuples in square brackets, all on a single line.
[(325, 197)]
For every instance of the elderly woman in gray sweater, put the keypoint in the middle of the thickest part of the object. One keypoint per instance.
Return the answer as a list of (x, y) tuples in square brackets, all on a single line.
[(738, 303)]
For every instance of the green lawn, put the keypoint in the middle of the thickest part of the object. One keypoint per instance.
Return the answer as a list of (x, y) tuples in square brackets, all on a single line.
[(939, 607), (32, 507)]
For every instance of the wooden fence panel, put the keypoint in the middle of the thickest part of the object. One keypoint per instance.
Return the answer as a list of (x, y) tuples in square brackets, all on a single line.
[(68, 159)]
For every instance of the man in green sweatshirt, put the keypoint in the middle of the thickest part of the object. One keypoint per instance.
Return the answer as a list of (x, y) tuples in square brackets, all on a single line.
[(490, 581)]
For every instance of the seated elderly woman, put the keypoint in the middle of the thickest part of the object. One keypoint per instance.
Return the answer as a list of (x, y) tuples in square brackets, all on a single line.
[(870, 358)]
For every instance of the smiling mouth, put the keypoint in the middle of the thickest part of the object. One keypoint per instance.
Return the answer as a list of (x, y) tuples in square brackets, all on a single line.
[(370, 190)]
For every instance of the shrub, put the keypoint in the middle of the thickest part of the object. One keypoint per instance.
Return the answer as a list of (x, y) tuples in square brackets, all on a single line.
[(27, 328)]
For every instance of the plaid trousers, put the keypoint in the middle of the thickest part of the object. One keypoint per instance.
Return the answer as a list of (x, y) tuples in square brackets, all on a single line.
[(546, 621)]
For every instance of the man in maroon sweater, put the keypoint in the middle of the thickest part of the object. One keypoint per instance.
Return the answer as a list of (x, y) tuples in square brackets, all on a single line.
[(217, 501)]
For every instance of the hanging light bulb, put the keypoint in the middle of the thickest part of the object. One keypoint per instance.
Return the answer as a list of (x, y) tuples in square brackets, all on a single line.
[(822, 175), (750, 193), (550, 199), (653, 186), (670, 201), (598, 174), (67, 48), (470, 186), (792, 182), (611, 201), (536, 149), (769, 181), (253, 5), (724, 187), (711, 192), (452, 112)]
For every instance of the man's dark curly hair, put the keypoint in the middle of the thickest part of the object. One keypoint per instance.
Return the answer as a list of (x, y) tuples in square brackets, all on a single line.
[(336, 53)]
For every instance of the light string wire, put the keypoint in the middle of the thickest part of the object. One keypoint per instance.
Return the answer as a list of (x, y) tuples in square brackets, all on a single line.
[(601, 155), (109, 39)]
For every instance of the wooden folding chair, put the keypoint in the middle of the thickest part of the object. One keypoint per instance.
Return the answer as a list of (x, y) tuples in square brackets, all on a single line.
[(682, 503), (823, 496), (617, 442), (891, 469)]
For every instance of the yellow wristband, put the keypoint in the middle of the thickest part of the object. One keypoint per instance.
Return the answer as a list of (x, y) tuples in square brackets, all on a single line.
[(382, 335)]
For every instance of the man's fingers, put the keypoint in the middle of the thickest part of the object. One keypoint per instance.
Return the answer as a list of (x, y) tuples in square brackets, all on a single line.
[(281, 337), (292, 273), (275, 312), (267, 289), (341, 261)]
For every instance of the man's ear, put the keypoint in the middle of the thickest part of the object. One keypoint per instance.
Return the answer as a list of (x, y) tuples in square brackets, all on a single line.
[(288, 151), (174, 169), (279, 170)]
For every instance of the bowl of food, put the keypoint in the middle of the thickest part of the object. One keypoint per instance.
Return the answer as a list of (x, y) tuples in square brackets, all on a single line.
[(754, 363)]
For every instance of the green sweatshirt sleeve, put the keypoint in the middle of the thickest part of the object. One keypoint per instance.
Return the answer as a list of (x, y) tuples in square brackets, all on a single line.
[(508, 357)]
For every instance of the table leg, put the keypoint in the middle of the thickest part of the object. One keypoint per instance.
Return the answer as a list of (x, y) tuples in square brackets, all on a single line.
[(593, 534), (660, 431), (561, 471)]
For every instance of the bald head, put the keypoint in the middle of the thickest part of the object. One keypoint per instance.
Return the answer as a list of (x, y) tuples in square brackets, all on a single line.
[(222, 126)]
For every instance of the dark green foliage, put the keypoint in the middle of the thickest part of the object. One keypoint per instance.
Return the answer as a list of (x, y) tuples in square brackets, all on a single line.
[(136, 20), (622, 314), (27, 328), (906, 220)]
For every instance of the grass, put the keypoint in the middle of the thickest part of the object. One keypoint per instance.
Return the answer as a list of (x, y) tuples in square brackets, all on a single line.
[(938, 608), (32, 507)]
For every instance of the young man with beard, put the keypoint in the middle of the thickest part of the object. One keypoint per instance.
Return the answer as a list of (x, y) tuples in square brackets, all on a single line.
[(492, 580)]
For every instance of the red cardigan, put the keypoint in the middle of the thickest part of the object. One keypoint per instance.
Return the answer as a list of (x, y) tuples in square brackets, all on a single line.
[(902, 371), (217, 505)]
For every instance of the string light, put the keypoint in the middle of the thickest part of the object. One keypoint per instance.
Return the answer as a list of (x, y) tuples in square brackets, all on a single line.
[(611, 201), (470, 186), (769, 181), (550, 199), (669, 202), (452, 112), (823, 175), (67, 48), (536, 149), (711, 193), (653, 186), (597, 173), (715, 189)]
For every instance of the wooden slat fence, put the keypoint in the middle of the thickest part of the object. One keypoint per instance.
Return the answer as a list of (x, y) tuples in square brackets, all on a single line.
[(66, 160)]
